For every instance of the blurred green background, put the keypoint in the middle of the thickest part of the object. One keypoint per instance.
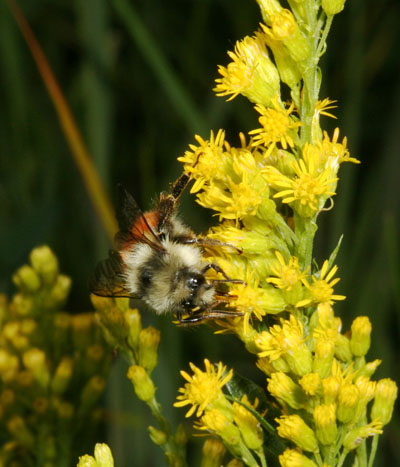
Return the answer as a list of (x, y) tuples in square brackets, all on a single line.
[(138, 76)]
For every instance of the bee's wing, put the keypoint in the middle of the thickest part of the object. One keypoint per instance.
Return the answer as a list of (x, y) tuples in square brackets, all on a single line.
[(134, 225), (108, 279)]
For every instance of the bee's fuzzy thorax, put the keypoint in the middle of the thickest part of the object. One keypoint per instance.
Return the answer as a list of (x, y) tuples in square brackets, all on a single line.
[(160, 278)]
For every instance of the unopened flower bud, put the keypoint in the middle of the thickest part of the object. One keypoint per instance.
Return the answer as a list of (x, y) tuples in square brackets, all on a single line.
[(92, 391), (217, 422), (294, 428), (26, 279), (142, 383), (311, 384), (103, 455), (18, 428), (385, 396), (331, 386), (181, 435), (360, 336), (87, 461), (248, 425), (60, 290), (293, 458), (213, 453), (133, 319), (158, 437), (62, 375), (342, 348), (348, 399), (332, 7), (325, 423), (324, 353), (285, 28), (149, 339), (45, 263), (22, 304), (285, 389), (269, 8), (35, 361)]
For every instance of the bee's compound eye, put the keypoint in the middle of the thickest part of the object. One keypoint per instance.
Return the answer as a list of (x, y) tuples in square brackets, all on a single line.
[(195, 281)]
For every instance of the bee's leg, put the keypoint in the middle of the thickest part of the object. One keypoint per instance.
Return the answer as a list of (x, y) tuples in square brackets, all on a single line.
[(209, 314), (205, 241), (221, 271), (168, 201)]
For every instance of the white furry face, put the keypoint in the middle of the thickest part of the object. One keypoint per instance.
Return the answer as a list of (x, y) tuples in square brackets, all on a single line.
[(164, 280)]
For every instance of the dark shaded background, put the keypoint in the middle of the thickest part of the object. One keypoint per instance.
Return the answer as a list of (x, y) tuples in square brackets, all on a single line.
[(137, 118)]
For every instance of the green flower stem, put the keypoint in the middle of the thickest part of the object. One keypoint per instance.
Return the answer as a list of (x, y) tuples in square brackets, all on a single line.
[(322, 42), (318, 458), (261, 456), (170, 446), (374, 447), (342, 458), (305, 231), (361, 453)]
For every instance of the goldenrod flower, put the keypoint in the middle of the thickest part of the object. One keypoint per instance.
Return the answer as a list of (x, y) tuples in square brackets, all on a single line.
[(289, 278), (286, 341), (250, 73), (294, 428), (332, 149), (243, 199), (251, 299), (294, 458), (307, 191), (321, 289), (206, 161), (203, 389), (276, 126)]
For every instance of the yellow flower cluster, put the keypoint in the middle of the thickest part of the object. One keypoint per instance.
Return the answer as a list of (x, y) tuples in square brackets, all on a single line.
[(324, 376), (53, 366), (233, 422), (267, 192)]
